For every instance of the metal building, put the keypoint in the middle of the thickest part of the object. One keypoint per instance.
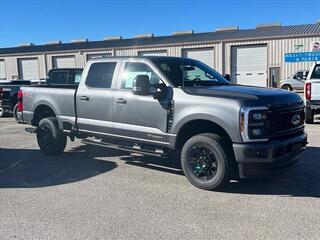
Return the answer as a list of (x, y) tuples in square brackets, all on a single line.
[(251, 56)]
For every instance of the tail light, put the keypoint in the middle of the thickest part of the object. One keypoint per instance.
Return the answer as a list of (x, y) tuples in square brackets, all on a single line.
[(307, 91), (20, 101), (1, 93)]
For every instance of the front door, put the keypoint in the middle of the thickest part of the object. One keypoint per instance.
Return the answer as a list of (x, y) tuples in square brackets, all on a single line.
[(139, 117), (94, 98)]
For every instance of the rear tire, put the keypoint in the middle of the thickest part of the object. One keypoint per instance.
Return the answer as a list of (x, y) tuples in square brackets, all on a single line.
[(309, 116), (207, 162), (50, 139), (287, 87), (15, 113)]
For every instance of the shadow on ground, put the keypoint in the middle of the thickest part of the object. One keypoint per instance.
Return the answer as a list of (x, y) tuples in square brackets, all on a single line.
[(30, 168), (23, 168)]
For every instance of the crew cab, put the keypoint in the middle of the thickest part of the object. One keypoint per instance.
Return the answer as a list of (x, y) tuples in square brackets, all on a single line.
[(163, 105), (312, 93)]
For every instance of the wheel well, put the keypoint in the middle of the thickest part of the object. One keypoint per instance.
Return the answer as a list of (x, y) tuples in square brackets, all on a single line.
[(195, 127), (286, 85), (41, 112)]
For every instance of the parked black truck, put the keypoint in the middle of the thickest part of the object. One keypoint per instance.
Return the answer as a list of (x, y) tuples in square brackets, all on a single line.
[(9, 89), (162, 105)]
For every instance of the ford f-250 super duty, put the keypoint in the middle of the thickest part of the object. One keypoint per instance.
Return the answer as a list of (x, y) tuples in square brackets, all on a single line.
[(159, 105)]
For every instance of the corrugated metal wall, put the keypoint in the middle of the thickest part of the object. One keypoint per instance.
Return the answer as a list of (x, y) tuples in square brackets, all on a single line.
[(276, 52), (222, 55)]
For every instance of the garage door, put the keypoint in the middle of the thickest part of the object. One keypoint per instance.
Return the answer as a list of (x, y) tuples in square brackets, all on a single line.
[(204, 55), (64, 62), (28, 68), (153, 53), (249, 65), (2, 70)]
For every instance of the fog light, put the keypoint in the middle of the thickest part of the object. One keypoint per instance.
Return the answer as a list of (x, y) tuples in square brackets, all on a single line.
[(257, 132)]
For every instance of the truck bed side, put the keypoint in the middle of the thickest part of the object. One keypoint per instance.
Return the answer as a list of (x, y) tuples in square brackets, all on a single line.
[(60, 99)]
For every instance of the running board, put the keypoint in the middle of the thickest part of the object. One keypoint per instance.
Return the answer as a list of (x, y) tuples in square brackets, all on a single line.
[(157, 152)]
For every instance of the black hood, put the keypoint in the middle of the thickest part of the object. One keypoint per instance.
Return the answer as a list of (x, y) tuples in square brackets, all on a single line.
[(248, 95)]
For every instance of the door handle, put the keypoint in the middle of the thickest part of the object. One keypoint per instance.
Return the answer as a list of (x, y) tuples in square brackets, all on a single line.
[(84, 98), (121, 101)]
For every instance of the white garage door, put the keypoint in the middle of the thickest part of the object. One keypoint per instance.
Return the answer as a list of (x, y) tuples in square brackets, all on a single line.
[(64, 62), (28, 68), (2, 70), (249, 65), (153, 53), (204, 55)]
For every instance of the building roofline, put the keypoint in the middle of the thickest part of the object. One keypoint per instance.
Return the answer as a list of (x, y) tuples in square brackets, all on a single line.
[(294, 31)]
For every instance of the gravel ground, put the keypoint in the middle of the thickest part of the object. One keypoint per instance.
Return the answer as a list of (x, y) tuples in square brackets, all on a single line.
[(99, 193)]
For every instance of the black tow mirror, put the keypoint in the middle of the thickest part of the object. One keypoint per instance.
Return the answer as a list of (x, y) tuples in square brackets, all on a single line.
[(141, 85)]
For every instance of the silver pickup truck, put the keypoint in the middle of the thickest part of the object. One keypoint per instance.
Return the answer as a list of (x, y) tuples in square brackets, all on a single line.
[(162, 105)]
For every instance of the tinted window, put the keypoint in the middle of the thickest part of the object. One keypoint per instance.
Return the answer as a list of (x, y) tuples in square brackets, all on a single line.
[(316, 72), (132, 70), (300, 75), (100, 75), (189, 72), (59, 77)]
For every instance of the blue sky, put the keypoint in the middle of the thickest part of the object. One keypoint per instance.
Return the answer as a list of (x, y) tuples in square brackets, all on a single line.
[(39, 21)]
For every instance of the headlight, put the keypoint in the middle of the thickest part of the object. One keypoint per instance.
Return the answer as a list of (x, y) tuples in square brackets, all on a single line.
[(255, 124)]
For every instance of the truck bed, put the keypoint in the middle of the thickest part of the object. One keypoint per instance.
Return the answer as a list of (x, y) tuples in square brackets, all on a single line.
[(61, 98)]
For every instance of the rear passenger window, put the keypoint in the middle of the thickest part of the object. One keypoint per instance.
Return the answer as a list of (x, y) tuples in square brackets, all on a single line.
[(100, 75), (316, 72)]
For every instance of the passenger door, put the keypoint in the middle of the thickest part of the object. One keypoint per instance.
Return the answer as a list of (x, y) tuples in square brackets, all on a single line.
[(94, 97), (139, 117)]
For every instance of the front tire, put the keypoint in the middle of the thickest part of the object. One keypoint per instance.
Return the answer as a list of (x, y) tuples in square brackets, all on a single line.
[(206, 161), (50, 139), (309, 116)]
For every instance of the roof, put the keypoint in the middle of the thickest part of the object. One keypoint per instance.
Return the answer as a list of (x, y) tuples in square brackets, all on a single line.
[(258, 33)]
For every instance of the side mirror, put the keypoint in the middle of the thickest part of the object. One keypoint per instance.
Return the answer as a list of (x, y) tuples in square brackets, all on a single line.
[(141, 85)]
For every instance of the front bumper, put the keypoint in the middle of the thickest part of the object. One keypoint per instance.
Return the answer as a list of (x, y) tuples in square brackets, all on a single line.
[(264, 159)]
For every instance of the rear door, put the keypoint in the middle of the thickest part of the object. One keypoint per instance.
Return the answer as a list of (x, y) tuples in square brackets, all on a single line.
[(94, 97)]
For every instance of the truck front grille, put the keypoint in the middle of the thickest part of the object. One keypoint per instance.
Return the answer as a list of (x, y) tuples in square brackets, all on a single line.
[(287, 121)]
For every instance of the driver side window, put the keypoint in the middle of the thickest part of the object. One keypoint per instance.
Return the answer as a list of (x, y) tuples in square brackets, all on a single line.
[(132, 70)]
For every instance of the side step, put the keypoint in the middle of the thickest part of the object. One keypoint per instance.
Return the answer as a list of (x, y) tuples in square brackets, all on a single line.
[(135, 148)]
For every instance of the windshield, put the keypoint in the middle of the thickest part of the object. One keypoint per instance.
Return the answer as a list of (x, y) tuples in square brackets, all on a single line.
[(189, 72)]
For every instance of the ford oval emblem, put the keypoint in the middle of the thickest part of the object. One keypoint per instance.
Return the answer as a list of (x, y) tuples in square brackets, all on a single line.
[(295, 120)]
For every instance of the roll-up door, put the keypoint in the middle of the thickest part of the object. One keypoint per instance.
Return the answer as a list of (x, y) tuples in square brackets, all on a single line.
[(28, 68), (153, 53), (204, 55), (249, 65), (2, 70), (64, 62)]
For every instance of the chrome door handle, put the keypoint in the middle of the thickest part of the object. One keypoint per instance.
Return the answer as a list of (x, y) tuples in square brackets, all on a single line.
[(84, 98), (121, 101)]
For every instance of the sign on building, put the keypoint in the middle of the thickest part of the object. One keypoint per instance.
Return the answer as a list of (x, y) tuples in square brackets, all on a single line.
[(303, 56)]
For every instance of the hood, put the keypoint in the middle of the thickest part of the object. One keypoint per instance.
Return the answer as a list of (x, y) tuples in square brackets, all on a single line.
[(248, 95)]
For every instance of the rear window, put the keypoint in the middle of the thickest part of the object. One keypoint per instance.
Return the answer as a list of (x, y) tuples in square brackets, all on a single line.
[(316, 72), (59, 77), (100, 75)]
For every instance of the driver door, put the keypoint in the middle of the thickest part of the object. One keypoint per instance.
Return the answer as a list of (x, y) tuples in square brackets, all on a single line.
[(139, 117)]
